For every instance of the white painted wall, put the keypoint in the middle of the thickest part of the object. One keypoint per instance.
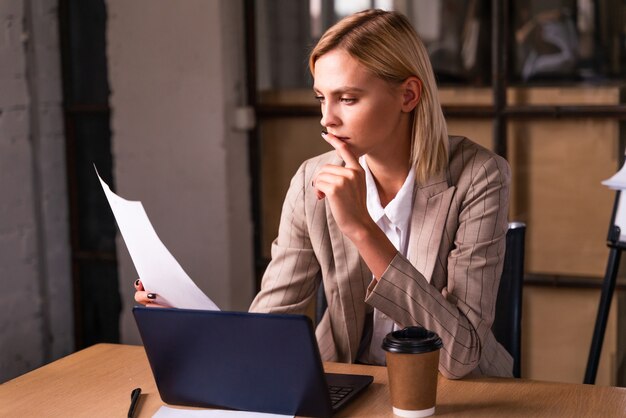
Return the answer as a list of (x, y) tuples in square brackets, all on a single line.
[(176, 73), (36, 324)]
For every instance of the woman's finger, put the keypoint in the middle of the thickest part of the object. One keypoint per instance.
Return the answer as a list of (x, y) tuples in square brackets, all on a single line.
[(138, 285), (334, 175), (151, 300), (338, 170), (141, 296), (342, 149), (147, 298)]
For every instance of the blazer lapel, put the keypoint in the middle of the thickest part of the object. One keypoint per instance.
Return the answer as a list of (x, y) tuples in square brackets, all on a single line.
[(352, 277), (431, 206)]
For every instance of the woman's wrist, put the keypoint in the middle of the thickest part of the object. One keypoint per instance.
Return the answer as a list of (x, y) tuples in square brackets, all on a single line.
[(374, 247), (365, 231)]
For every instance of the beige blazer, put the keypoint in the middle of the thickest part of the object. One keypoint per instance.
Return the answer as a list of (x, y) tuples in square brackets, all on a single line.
[(448, 283)]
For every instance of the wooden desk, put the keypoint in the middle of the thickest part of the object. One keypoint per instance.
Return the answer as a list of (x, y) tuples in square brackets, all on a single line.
[(97, 382)]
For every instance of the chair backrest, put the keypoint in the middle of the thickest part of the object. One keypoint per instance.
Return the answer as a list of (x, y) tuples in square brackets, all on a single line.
[(507, 325), (320, 303)]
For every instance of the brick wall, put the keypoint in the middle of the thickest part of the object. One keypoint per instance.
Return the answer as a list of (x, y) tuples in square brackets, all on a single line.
[(35, 281)]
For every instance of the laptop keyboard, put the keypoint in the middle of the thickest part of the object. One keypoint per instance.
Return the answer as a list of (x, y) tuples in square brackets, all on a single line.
[(337, 393)]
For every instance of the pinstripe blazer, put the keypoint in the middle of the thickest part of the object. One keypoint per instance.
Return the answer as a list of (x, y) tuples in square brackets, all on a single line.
[(447, 283)]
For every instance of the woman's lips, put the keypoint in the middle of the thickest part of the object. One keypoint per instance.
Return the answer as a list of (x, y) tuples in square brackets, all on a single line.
[(342, 138)]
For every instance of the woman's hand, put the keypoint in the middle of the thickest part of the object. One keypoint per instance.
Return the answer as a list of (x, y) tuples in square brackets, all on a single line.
[(146, 298), (345, 189)]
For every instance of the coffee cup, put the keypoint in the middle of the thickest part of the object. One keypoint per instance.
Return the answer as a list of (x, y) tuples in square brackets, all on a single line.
[(412, 363)]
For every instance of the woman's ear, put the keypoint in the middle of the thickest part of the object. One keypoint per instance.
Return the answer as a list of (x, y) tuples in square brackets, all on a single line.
[(411, 93)]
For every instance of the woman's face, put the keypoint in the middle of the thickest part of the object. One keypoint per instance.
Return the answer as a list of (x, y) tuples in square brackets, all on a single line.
[(359, 108)]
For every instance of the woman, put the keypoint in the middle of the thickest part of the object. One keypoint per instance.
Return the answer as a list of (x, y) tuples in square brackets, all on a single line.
[(403, 225)]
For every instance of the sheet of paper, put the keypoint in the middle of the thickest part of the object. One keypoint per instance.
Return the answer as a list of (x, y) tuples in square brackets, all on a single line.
[(169, 412), (158, 269)]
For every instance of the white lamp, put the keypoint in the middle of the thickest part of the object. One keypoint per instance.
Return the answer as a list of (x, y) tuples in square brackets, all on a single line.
[(618, 183)]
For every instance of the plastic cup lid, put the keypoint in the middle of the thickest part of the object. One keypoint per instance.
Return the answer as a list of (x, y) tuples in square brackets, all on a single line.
[(412, 340)]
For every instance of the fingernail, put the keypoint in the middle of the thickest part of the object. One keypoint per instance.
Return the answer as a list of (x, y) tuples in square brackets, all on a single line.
[(151, 296), (137, 282)]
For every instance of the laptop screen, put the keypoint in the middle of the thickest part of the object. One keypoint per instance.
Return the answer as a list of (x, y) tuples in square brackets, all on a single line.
[(236, 360)]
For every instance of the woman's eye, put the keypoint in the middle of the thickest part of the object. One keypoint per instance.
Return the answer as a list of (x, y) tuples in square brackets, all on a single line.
[(319, 98), (348, 100)]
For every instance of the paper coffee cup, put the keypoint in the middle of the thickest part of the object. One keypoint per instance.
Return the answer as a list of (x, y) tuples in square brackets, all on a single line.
[(412, 364)]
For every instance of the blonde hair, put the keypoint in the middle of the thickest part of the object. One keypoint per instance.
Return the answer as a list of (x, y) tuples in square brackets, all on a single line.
[(388, 46)]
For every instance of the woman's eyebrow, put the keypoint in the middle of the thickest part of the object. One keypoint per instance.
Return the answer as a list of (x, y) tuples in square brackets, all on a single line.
[(345, 89)]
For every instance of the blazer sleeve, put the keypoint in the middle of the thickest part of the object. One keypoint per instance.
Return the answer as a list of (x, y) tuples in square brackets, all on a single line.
[(292, 276), (462, 312)]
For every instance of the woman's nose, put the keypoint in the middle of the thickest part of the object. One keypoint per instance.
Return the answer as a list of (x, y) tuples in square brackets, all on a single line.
[(329, 117)]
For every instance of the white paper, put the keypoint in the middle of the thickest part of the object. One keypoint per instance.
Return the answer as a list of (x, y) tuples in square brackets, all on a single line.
[(159, 271), (168, 412)]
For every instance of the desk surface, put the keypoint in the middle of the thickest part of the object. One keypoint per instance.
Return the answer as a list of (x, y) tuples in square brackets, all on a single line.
[(96, 382)]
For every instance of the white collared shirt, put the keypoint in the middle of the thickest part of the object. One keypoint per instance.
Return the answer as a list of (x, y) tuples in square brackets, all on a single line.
[(394, 220)]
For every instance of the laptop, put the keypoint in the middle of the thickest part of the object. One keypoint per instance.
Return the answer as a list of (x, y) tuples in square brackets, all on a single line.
[(243, 361)]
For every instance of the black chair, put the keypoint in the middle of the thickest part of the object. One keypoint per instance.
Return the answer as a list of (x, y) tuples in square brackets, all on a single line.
[(507, 325)]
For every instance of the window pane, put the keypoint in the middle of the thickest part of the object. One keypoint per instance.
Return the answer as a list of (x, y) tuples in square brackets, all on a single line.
[(457, 36), (552, 41), (455, 32), (569, 40), (283, 37)]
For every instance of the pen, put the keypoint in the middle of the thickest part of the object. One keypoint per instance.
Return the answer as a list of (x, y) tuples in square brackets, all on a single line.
[(134, 398)]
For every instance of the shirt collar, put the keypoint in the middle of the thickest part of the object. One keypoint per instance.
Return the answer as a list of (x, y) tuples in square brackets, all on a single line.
[(398, 211)]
